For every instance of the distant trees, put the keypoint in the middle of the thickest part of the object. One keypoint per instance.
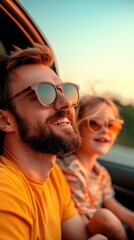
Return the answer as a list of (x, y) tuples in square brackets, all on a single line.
[(126, 136)]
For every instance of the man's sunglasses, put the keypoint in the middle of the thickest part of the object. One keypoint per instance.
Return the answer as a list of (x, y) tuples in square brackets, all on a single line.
[(47, 93), (95, 125)]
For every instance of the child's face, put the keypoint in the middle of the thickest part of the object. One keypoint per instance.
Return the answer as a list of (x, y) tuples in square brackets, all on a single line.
[(98, 142)]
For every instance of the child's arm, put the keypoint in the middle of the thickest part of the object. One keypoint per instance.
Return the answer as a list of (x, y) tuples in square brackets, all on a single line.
[(124, 214)]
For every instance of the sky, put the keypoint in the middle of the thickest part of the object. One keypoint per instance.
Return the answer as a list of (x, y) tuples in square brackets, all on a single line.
[(93, 42)]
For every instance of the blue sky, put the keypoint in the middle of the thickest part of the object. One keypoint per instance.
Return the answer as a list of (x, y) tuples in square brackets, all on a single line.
[(93, 42)]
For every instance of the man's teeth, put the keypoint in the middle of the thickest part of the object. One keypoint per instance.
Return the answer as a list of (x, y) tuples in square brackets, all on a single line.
[(63, 120)]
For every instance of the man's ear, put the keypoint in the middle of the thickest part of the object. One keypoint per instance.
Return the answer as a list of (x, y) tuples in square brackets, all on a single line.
[(6, 121)]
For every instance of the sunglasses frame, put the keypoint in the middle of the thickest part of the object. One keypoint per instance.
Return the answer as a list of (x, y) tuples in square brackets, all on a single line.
[(59, 87), (105, 123)]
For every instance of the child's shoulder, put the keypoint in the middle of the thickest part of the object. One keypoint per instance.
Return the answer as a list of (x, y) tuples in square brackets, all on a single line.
[(101, 169), (68, 161)]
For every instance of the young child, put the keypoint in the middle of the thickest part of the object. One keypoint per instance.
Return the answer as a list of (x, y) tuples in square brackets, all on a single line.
[(99, 123)]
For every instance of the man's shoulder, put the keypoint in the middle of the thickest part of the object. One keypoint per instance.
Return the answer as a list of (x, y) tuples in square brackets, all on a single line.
[(6, 168), (56, 173), (58, 180), (10, 176)]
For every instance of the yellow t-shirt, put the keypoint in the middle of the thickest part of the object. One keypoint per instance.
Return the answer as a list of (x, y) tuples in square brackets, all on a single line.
[(31, 210)]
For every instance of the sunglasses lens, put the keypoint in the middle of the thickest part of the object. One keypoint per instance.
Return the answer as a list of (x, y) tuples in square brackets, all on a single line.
[(46, 94), (95, 124), (71, 91), (115, 126)]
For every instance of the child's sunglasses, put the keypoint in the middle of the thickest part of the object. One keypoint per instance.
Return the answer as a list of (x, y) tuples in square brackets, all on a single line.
[(95, 125), (47, 93)]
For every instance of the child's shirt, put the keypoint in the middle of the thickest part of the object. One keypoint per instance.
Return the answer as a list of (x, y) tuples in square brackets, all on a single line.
[(89, 190)]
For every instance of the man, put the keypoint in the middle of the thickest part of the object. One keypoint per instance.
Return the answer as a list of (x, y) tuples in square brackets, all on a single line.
[(37, 121)]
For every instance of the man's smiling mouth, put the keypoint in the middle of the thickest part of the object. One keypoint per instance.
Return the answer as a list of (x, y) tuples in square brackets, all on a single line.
[(61, 121)]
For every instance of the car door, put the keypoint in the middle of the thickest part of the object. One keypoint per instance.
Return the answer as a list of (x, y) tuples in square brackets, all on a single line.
[(123, 183)]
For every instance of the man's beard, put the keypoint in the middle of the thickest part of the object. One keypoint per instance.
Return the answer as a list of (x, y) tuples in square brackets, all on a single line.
[(44, 140)]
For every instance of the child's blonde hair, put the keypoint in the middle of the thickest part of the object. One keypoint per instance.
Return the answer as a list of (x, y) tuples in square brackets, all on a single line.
[(89, 105)]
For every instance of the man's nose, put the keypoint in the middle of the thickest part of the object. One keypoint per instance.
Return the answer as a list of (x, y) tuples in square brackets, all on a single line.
[(63, 102)]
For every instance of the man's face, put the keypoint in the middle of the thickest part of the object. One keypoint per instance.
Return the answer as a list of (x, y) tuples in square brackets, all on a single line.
[(44, 129)]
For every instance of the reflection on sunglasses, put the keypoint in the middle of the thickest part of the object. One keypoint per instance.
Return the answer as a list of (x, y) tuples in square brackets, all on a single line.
[(47, 93)]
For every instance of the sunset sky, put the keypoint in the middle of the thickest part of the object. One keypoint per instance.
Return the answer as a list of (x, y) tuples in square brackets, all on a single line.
[(93, 42)]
